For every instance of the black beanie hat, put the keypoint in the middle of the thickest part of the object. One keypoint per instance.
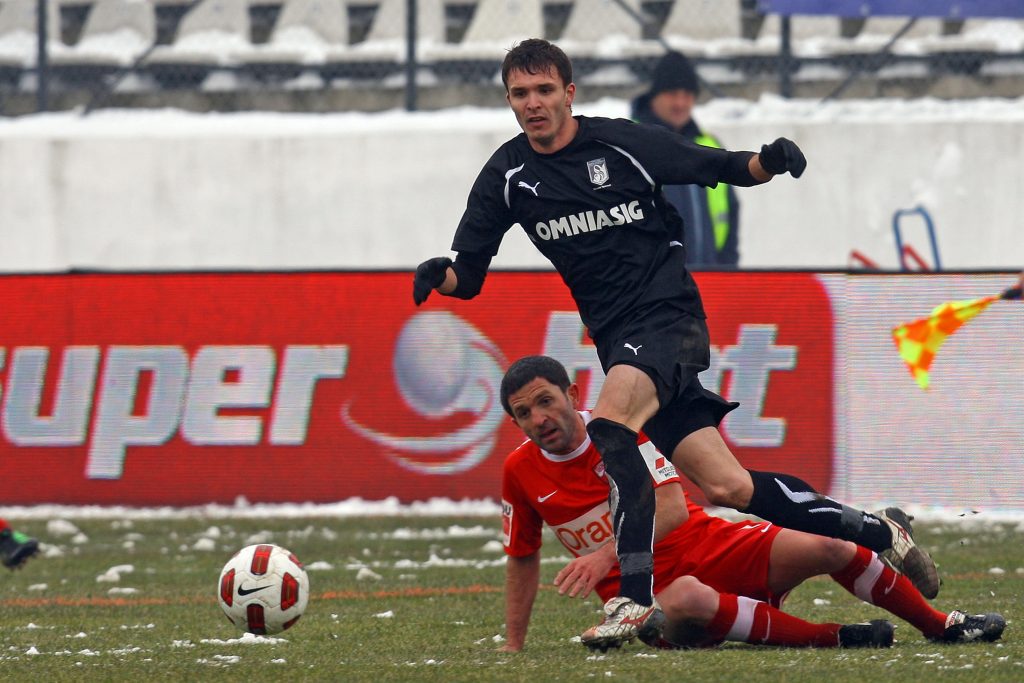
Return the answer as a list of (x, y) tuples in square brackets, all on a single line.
[(674, 72)]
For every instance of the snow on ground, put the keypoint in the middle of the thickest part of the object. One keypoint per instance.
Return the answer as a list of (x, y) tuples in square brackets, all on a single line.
[(242, 509), (245, 639), (59, 516), (113, 575)]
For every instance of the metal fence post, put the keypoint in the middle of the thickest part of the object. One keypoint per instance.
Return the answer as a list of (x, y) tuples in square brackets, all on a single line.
[(42, 60), (786, 57), (410, 56)]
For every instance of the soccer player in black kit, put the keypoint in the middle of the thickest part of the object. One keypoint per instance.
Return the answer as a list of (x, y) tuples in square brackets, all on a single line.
[(587, 191)]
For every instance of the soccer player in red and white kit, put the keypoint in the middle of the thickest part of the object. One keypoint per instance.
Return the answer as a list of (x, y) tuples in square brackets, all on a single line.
[(714, 580)]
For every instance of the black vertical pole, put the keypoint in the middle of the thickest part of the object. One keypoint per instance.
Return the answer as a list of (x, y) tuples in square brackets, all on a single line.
[(42, 61), (410, 56), (786, 58)]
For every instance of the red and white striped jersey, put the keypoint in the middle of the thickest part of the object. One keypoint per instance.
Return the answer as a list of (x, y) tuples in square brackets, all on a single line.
[(570, 494)]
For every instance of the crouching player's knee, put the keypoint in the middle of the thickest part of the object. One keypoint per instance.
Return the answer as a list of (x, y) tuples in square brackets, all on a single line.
[(688, 600), (833, 554), (689, 607)]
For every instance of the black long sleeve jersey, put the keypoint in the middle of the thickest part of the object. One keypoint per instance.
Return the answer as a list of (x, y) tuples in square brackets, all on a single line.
[(596, 211)]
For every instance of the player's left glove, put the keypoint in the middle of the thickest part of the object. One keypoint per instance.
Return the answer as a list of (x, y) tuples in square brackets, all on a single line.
[(781, 156), (429, 275)]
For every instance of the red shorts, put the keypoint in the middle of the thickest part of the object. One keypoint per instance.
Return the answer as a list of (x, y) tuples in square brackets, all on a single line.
[(729, 557)]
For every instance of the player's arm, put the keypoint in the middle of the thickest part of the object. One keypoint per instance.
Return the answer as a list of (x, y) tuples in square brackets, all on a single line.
[(670, 501), (582, 574), (522, 576), (673, 160), (521, 530), (670, 509), (744, 169), (483, 225), (462, 278)]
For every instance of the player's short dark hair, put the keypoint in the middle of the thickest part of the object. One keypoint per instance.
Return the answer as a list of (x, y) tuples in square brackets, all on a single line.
[(527, 369), (535, 56)]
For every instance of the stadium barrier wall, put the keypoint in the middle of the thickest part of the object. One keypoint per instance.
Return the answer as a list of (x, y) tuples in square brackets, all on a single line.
[(173, 191), (188, 388)]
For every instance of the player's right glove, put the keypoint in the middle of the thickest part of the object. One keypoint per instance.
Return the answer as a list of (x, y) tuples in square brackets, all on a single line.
[(429, 275), (781, 156)]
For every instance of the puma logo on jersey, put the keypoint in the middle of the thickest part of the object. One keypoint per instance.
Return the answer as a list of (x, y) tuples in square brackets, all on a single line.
[(532, 189), (634, 349)]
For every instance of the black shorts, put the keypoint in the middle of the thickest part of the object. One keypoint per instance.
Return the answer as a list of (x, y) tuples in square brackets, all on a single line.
[(670, 346), (694, 409)]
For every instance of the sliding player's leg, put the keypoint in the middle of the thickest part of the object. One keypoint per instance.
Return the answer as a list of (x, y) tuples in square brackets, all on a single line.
[(873, 581), (699, 616), (704, 458)]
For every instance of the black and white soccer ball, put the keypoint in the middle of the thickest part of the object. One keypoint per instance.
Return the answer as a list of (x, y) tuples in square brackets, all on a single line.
[(263, 589)]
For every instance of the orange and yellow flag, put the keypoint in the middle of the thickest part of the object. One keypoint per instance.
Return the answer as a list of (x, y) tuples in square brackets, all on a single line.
[(919, 341)]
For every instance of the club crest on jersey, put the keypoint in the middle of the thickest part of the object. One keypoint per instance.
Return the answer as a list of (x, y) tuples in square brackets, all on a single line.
[(598, 171), (599, 469)]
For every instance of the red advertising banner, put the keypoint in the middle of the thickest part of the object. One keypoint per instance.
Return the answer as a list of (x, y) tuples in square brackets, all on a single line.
[(175, 389)]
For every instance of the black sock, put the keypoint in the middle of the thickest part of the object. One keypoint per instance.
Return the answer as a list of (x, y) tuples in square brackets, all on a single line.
[(631, 499), (793, 503)]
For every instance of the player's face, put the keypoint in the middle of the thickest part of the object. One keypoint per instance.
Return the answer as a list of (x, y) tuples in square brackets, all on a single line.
[(674, 107), (543, 106), (548, 416)]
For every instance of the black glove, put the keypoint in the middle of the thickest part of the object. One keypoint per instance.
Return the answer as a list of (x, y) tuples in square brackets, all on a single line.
[(781, 156), (429, 275)]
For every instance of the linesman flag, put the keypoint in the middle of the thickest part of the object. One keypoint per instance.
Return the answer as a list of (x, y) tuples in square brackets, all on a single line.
[(919, 341)]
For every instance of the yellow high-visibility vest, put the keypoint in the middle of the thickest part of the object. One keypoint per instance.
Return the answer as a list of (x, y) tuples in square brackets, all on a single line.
[(718, 199)]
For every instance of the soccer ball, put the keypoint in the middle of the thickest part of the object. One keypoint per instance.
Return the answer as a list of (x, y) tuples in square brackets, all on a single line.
[(263, 589)]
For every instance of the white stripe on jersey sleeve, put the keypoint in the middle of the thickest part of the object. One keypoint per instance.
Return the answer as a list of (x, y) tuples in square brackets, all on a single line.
[(639, 166), (662, 470), (507, 510), (508, 178)]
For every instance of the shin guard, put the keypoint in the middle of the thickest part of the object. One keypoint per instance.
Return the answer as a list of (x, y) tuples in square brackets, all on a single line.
[(631, 498), (793, 503)]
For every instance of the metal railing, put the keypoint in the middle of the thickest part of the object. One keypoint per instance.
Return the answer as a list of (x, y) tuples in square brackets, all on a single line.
[(742, 48)]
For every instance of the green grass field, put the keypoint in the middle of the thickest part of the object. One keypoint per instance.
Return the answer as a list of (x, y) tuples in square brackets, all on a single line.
[(416, 599)]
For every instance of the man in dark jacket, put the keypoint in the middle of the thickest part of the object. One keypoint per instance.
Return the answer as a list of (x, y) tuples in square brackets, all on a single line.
[(710, 215)]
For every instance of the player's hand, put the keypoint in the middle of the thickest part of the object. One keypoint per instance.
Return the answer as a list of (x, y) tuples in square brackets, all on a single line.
[(781, 156), (580, 576), (429, 275)]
